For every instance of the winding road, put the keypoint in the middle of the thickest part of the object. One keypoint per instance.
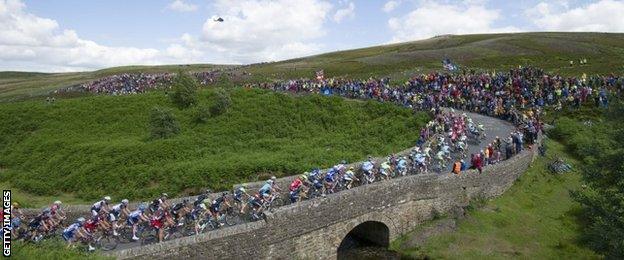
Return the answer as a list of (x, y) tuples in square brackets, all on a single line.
[(493, 127)]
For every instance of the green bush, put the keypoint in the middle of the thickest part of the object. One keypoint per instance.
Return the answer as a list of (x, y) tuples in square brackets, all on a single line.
[(163, 123), (222, 103), (184, 90), (202, 114)]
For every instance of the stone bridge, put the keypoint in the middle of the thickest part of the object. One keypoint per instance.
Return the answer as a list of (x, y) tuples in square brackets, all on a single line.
[(373, 214)]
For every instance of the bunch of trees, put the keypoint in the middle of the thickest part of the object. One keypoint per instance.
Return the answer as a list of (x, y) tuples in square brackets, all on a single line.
[(600, 147), (163, 123)]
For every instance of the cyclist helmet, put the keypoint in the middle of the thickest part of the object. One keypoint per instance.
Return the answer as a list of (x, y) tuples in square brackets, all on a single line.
[(343, 162), (164, 195), (80, 220), (58, 202), (125, 201), (185, 201), (303, 177), (273, 178), (223, 194), (142, 207), (107, 198), (46, 210), (351, 168), (208, 191), (15, 205)]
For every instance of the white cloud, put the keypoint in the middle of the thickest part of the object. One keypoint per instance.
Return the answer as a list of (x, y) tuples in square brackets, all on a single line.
[(347, 12), (29, 42), (391, 5), (601, 16), (257, 30), (432, 18), (181, 6)]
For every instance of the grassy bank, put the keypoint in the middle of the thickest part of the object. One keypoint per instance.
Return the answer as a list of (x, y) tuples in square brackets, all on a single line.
[(49, 250), (87, 147), (551, 51), (535, 219)]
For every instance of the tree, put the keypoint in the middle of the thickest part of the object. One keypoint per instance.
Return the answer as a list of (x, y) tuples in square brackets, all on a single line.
[(184, 90), (603, 199), (163, 123)]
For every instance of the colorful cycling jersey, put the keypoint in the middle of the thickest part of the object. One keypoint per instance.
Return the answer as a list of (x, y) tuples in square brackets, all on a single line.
[(446, 149), (331, 175), (385, 166), (116, 209), (70, 231), (314, 174), (419, 158), (266, 188), (296, 184), (294, 195), (217, 203), (98, 205), (135, 214), (349, 175), (91, 224), (367, 166), (238, 193), (402, 164), (54, 208)]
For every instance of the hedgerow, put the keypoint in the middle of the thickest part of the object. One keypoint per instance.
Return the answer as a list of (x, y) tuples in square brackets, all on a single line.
[(93, 146)]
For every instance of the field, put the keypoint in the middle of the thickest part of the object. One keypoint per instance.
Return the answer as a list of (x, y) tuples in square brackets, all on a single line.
[(535, 219), (91, 146), (551, 51)]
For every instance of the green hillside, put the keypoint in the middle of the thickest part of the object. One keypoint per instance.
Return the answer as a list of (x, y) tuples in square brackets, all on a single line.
[(91, 146), (551, 51)]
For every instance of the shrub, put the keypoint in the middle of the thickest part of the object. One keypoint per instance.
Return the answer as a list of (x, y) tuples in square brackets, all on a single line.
[(201, 114), (222, 103), (184, 90), (163, 123)]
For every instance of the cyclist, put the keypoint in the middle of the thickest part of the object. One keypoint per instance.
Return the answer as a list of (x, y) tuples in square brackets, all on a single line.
[(330, 180), (419, 160), (368, 167), (402, 166), (269, 188), (74, 232), (215, 207), (100, 205), (238, 196), (349, 177), (296, 187), (161, 202), (159, 221), (385, 169), (135, 217), (118, 211), (180, 210), (16, 218), (39, 224), (56, 213), (255, 202)]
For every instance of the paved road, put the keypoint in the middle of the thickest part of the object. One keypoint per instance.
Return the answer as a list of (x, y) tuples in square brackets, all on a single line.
[(493, 127)]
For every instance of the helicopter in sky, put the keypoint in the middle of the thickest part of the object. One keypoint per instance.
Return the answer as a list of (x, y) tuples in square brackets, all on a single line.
[(218, 19)]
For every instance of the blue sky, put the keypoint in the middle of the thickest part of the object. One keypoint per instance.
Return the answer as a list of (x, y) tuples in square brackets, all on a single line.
[(75, 35)]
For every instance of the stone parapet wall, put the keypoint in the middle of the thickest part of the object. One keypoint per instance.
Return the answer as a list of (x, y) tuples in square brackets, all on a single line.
[(315, 228)]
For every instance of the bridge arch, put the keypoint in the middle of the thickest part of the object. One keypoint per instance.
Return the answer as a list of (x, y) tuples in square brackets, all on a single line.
[(366, 234)]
